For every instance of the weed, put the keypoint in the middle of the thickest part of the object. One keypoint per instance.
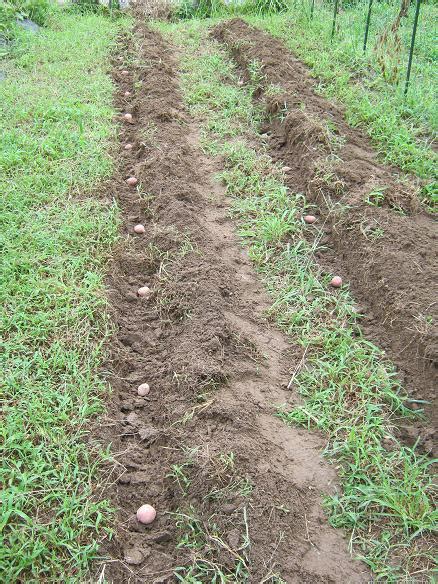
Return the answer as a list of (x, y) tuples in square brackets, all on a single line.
[(187, 247), (202, 533), (178, 471), (12, 11), (256, 76), (149, 133), (273, 90), (241, 487), (204, 540), (376, 197), (228, 460), (190, 414), (267, 6), (325, 178), (371, 231), (199, 9)]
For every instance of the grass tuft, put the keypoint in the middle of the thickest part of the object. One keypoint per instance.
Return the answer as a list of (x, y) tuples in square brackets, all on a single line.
[(201, 533)]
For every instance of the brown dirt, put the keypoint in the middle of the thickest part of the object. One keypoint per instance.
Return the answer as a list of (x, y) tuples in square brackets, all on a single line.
[(215, 366), (393, 272)]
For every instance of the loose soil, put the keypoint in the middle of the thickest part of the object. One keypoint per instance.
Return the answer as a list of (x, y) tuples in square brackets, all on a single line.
[(387, 252), (215, 366)]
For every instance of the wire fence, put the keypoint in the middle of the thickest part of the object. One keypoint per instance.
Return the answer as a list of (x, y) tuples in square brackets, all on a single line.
[(393, 42), (403, 12)]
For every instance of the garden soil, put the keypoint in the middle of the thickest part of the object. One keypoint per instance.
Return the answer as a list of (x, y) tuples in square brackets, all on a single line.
[(250, 489), (372, 230)]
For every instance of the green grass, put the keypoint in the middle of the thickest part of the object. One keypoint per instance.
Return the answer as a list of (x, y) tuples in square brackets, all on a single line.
[(349, 390), (39, 11), (203, 539), (401, 128), (56, 234), (201, 533)]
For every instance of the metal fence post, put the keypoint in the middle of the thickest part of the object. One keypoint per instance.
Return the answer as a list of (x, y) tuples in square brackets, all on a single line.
[(334, 18), (411, 50), (367, 25)]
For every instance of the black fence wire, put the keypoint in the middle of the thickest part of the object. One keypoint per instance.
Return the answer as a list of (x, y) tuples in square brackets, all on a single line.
[(368, 20)]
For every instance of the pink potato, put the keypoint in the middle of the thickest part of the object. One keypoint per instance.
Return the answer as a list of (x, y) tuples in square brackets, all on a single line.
[(132, 181), (128, 117), (336, 282), (139, 228), (309, 219), (128, 146), (144, 291), (143, 389), (146, 514)]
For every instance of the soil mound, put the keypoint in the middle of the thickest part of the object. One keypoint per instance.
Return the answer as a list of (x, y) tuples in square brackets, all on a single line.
[(374, 232), (202, 447)]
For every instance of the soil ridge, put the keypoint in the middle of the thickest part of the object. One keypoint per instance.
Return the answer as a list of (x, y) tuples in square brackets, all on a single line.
[(372, 230), (215, 366)]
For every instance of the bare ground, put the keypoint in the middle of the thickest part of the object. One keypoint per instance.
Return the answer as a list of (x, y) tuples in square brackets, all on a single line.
[(215, 366)]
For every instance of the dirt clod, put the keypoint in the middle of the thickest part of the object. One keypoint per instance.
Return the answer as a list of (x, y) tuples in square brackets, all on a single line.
[(134, 557)]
